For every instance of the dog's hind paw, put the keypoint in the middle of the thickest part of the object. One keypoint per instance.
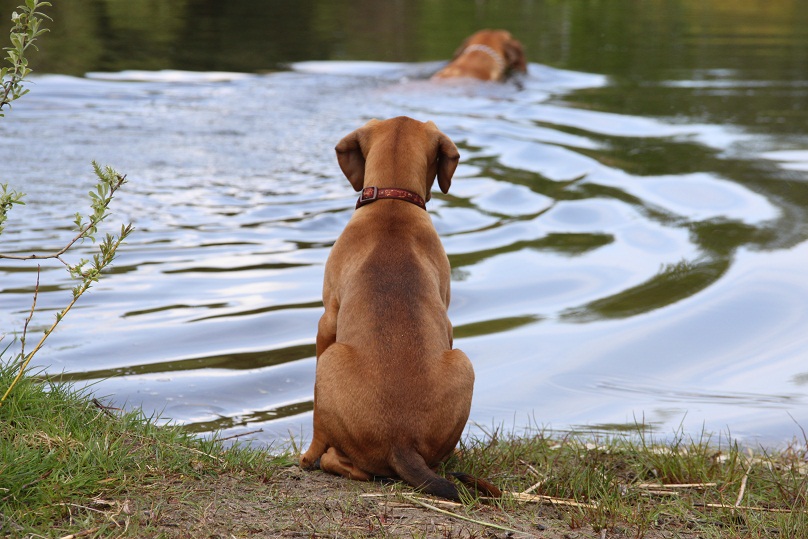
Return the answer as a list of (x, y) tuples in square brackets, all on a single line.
[(309, 466)]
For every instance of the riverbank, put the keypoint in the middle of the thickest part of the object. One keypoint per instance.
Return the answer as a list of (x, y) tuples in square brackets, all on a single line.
[(71, 467)]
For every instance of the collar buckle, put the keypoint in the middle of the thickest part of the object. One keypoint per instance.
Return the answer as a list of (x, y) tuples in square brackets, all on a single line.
[(369, 194)]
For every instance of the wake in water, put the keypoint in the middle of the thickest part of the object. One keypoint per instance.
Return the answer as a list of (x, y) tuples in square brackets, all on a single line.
[(605, 266)]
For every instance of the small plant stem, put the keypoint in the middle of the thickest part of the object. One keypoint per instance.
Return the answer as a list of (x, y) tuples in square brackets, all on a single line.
[(31, 314), (30, 356)]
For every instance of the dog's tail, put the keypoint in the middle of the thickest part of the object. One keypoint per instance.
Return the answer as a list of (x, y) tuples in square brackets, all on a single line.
[(482, 486), (412, 468)]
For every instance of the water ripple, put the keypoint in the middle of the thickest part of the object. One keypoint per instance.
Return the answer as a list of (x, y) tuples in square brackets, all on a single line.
[(605, 266)]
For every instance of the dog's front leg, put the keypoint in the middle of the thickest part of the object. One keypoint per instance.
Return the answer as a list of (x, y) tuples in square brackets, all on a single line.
[(326, 336), (311, 458), (327, 328)]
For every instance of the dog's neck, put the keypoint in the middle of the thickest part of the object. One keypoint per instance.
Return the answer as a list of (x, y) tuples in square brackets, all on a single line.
[(372, 194), (497, 57)]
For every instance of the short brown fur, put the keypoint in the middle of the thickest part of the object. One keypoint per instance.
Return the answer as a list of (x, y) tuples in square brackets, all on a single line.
[(481, 65), (391, 395)]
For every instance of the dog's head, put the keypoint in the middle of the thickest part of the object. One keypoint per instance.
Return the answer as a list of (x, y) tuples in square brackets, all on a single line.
[(401, 151), (503, 43)]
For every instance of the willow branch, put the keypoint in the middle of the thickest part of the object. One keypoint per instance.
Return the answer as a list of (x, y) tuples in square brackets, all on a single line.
[(25, 31), (82, 233), (48, 331), (90, 276)]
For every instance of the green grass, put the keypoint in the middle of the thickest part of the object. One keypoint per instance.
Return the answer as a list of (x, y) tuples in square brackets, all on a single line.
[(713, 488), (70, 466), (62, 456)]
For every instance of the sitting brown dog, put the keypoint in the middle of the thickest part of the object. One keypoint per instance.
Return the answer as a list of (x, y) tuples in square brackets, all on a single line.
[(486, 55), (391, 396)]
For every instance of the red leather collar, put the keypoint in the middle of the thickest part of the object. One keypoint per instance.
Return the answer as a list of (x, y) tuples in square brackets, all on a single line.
[(372, 194)]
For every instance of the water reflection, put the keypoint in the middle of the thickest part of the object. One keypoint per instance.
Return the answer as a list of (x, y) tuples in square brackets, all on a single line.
[(617, 252)]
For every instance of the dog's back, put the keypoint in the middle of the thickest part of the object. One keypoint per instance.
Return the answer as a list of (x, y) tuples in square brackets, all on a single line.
[(391, 395), (391, 280), (486, 55)]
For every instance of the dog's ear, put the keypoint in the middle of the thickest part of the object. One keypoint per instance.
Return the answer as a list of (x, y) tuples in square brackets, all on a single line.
[(448, 158), (351, 160), (515, 56)]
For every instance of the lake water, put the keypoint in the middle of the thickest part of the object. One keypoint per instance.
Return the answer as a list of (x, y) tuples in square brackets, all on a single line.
[(628, 240)]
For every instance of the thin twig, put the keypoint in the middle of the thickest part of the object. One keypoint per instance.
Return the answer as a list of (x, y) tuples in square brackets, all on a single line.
[(82, 533), (391, 504), (239, 435), (104, 408), (743, 485), (31, 314), (535, 472), (66, 504), (660, 492), (750, 508), (539, 498), (532, 487), (530, 467), (675, 485), (191, 449), (461, 517)]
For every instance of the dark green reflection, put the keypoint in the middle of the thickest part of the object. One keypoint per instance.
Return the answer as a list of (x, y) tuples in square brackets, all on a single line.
[(673, 283), (253, 267), (722, 237), (569, 244), (254, 417), (616, 428), (634, 41), (285, 307), (488, 327), (234, 361)]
